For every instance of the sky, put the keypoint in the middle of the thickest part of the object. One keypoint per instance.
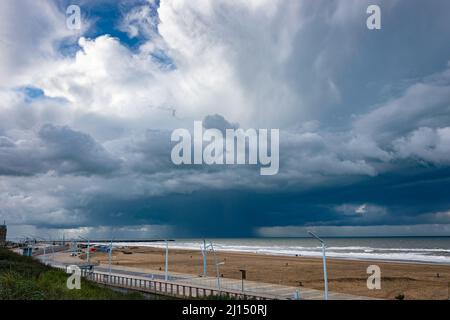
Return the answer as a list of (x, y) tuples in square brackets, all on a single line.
[(86, 117)]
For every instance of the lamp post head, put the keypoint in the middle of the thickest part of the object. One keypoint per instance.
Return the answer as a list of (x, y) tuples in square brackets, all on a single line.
[(312, 234)]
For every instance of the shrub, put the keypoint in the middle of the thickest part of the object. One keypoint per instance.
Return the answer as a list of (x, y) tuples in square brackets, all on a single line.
[(24, 278)]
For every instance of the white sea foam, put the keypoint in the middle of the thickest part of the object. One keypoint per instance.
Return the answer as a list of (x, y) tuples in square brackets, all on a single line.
[(432, 255)]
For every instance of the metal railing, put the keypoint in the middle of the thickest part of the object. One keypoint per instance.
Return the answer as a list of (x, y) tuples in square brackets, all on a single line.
[(167, 288)]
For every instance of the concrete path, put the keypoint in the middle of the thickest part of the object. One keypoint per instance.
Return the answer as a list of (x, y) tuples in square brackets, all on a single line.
[(250, 287)]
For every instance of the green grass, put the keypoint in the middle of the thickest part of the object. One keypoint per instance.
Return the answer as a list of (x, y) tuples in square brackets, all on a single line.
[(24, 278)]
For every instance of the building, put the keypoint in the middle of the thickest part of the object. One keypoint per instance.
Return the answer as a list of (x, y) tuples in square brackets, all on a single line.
[(3, 230)]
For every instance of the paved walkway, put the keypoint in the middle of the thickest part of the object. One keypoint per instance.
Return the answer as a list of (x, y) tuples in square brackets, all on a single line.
[(250, 287)]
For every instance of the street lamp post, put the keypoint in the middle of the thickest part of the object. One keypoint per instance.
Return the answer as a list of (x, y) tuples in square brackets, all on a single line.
[(204, 252), (89, 252), (218, 264), (110, 259), (45, 248), (53, 250), (166, 277), (325, 276), (88, 257), (45, 253), (74, 247)]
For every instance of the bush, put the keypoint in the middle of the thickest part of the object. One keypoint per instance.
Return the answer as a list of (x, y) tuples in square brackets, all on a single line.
[(24, 278), (15, 287)]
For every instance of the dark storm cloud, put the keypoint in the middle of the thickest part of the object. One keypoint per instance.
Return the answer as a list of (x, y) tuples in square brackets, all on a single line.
[(217, 121), (150, 153), (76, 152), (402, 198), (55, 148), (17, 159)]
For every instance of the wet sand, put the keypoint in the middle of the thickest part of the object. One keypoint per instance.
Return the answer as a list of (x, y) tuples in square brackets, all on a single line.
[(413, 280)]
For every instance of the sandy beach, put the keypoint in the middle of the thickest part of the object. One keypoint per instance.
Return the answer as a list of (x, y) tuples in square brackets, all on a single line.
[(413, 280)]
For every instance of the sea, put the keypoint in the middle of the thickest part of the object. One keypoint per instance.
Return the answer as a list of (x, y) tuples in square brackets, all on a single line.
[(402, 249)]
